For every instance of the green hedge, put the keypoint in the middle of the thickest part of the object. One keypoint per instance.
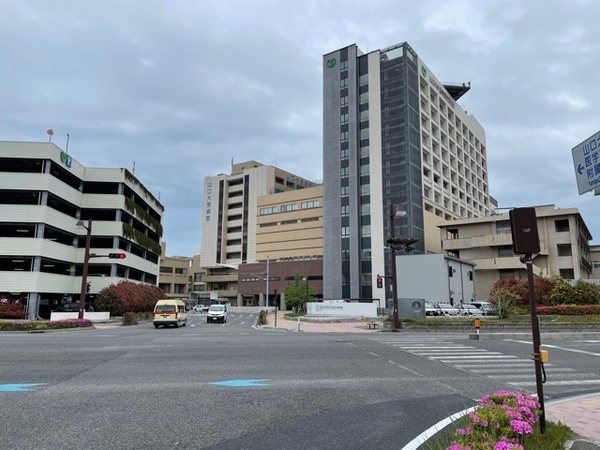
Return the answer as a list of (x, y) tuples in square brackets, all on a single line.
[(34, 325)]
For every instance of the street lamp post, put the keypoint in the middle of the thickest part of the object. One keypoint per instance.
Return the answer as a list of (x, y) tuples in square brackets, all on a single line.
[(86, 260)]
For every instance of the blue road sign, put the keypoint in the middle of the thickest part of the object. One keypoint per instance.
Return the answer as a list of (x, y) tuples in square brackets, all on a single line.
[(586, 159)]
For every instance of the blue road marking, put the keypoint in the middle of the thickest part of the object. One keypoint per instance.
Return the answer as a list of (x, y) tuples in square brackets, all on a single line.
[(241, 383), (19, 387)]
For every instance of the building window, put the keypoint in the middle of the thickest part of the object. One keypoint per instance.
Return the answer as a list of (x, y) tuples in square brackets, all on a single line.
[(564, 250), (364, 98), (344, 118), (343, 83), (179, 289), (180, 270), (344, 154), (364, 151), (310, 219), (365, 189), (345, 210), (310, 204), (567, 274), (269, 210), (364, 115), (364, 169), (561, 226), (344, 172), (365, 231), (365, 209), (505, 251), (198, 277), (366, 254), (503, 227), (288, 222), (506, 273), (344, 101), (596, 264), (166, 270), (364, 133), (343, 65), (364, 79), (346, 255), (345, 191), (268, 224), (290, 207), (344, 136), (345, 231)]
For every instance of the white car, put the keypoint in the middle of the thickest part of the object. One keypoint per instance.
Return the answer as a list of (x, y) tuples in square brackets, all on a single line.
[(469, 310), (447, 309), (216, 313)]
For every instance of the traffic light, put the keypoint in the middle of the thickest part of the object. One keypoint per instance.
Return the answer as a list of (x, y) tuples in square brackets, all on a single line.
[(116, 255), (379, 282)]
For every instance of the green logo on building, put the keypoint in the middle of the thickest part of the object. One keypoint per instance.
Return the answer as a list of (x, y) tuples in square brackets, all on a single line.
[(331, 63), (424, 71)]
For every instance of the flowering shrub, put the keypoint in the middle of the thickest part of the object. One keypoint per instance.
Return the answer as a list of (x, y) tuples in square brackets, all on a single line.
[(499, 422), (569, 310), (31, 325), (12, 311)]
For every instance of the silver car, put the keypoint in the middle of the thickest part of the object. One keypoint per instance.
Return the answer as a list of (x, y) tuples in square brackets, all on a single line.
[(447, 309), (469, 310)]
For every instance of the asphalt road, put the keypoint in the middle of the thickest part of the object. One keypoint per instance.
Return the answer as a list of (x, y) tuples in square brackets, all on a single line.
[(231, 386)]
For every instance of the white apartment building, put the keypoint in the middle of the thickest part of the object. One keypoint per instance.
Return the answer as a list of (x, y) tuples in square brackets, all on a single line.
[(44, 192), (229, 222)]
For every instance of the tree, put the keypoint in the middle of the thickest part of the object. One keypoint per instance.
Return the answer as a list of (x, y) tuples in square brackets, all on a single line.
[(298, 293), (504, 300)]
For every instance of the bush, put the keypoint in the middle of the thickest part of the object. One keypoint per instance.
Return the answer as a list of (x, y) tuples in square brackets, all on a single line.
[(128, 296), (262, 317), (12, 311), (130, 318), (569, 310)]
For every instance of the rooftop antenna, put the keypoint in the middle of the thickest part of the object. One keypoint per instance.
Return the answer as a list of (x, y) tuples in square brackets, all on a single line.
[(67, 147), (50, 132), (133, 171)]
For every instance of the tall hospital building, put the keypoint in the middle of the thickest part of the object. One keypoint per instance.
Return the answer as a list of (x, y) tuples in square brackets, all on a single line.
[(393, 134)]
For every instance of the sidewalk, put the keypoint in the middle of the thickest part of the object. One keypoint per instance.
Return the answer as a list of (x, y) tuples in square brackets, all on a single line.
[(319, 326), (581, 414)]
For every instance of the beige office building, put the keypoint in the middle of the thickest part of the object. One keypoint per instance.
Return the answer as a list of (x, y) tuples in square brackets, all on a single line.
[(289, 244), (487, 242), (229, 223)]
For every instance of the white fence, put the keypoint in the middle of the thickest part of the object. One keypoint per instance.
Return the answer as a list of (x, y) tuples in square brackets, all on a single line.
[(341, 309), (103, 316)]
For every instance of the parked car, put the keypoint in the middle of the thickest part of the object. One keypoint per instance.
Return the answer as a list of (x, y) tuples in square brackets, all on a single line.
[(469, 310), (432, 310), (448, 309), (486, 308)]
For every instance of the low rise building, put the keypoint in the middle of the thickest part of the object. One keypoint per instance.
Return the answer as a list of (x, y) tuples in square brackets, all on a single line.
[(487, 242)]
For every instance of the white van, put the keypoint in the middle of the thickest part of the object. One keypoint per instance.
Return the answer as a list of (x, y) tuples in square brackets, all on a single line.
[(216, 313)]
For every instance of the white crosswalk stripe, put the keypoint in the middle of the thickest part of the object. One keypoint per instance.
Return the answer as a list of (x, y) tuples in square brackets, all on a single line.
[(510, 369)]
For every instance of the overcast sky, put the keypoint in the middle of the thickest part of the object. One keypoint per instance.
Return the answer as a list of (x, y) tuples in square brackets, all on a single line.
[(180, 88)]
